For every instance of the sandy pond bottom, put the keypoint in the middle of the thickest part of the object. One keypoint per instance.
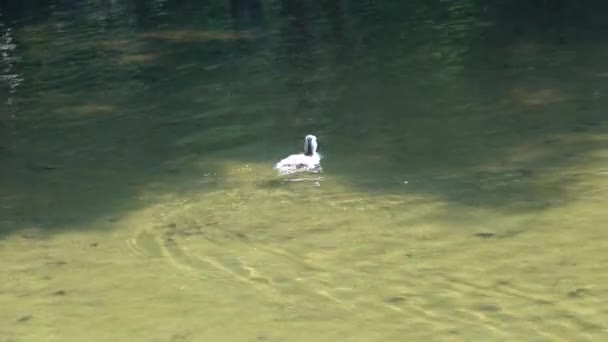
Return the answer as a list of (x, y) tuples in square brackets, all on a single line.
[(259, 260)]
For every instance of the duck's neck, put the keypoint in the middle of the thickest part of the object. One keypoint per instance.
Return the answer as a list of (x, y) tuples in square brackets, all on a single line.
[(308, 150)]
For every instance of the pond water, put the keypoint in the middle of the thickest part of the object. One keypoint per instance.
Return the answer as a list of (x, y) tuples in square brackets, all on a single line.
[(463, 194)]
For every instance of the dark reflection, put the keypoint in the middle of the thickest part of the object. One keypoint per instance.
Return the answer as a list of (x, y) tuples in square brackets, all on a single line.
[(466, 100), (17, 12), (334, 10), (144, 14), (11, 82), (298, 44), (247, 13), (315, 49)]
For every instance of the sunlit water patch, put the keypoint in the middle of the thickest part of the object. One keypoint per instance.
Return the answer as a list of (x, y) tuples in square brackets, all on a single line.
[(318, 251)]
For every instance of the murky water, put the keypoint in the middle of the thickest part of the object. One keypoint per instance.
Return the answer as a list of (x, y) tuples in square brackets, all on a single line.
[(463, 195)]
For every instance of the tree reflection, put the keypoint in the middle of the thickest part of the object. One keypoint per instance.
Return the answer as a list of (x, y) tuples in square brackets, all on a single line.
[(298, 45), (11, 79), (246, 13)]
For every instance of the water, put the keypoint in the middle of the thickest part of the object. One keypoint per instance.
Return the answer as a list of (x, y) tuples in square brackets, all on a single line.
[(463, 195)]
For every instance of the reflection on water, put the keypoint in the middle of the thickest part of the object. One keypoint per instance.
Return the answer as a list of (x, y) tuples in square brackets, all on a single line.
[(463, 192), (195, 36)]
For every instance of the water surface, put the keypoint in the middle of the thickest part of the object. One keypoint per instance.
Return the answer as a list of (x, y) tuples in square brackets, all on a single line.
[(463, 195)]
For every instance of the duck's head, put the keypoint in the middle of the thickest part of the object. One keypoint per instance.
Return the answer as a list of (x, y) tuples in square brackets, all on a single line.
[(310, 145)]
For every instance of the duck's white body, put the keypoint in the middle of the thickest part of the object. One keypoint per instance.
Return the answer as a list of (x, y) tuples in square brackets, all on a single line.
[(299, 162), (310, 160)]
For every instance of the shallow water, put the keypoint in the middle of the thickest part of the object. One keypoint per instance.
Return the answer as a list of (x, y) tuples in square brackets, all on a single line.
[(463, 195)]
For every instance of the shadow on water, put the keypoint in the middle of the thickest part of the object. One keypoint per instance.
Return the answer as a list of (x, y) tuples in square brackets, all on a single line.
[(102, 117)]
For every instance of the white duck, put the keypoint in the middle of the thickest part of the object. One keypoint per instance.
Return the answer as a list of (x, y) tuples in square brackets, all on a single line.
[(310, 160)]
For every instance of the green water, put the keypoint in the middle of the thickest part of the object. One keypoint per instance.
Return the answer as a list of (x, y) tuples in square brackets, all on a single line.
[(463, 197)]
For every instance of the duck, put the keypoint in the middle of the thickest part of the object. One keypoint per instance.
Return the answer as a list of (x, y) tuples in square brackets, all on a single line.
[(309, 161)]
